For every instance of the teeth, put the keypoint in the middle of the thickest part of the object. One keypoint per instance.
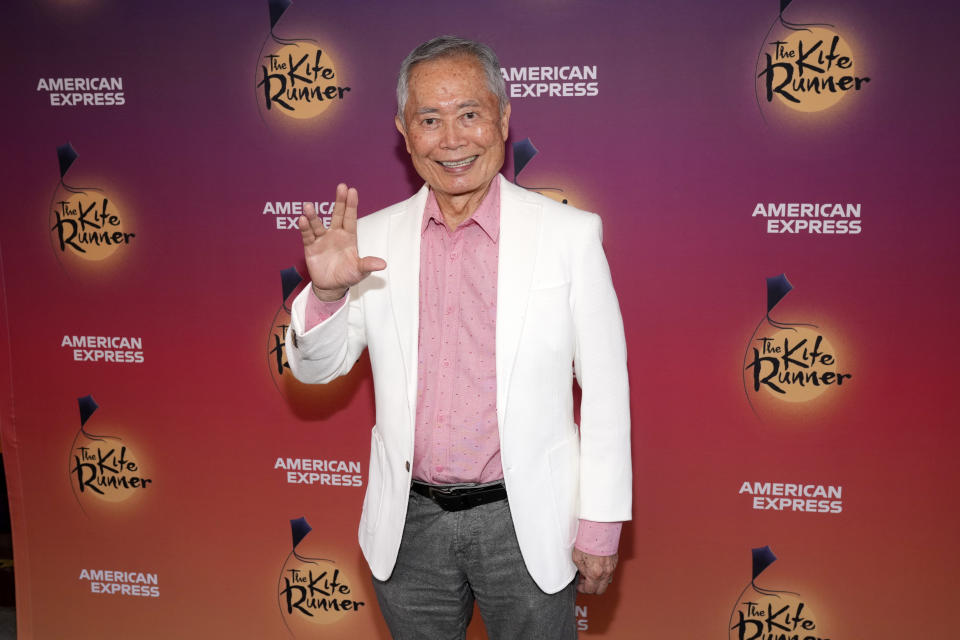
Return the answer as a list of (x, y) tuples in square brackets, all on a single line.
[(459, 163)]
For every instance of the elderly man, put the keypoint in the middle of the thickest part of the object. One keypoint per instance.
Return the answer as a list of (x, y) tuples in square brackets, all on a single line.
[(479, 302)]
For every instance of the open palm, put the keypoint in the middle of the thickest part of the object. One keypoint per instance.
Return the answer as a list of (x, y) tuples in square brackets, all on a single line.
[(333, 261)]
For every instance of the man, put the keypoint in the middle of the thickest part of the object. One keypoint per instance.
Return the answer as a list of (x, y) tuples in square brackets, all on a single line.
[(474, 298)]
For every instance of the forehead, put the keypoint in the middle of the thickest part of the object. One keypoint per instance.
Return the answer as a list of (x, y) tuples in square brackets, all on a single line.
[(454, 78)]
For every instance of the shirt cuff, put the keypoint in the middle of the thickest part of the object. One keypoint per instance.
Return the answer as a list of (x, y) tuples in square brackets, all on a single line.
[(317, 310), (598, 538)]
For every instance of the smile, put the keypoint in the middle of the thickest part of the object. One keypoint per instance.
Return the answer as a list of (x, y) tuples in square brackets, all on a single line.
[(458, 163)]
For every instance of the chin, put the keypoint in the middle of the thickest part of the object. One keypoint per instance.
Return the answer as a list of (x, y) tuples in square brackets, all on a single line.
[(462, 189)]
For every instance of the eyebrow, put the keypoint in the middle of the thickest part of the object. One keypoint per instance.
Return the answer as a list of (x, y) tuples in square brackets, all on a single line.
[(462, 105)]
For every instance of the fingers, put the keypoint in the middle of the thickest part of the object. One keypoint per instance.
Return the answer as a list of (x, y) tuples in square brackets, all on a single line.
[(340, 206), (310, 225), (596, 572), (350, 211), (590, 586), (593, 584), (343, 216), (315, 221), (594, 580)]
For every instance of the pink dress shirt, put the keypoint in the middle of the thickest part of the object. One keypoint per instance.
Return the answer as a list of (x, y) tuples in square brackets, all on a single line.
[(456, 437)]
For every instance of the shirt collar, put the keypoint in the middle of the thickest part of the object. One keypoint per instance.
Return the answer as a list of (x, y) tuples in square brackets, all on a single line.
[(487, 215)]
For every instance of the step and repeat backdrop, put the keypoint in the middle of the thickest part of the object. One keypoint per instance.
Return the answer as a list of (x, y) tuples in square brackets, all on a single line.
[(777, 183)]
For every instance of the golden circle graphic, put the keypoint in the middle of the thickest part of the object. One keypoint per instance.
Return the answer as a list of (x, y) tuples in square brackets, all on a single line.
[(305, 399), (556, 195), (562, 188), (813, 70), (298, 80), (315, 592), (276, 351), (794, 364), (88, 224), (803, 373), (781, 614), (105, 469)]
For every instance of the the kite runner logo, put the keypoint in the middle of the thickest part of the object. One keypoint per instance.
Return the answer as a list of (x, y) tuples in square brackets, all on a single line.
[(296, 79), (305, 399), (277, 364), (86, 225), (805, 67), (103, 469), (789, 364), (523, 152), (313, 591), (767, 614)]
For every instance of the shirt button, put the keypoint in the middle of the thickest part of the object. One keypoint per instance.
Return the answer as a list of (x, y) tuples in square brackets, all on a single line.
[(407, 465), (438, 468)]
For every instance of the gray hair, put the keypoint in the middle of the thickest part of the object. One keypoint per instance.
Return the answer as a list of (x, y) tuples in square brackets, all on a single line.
[(448, 47)]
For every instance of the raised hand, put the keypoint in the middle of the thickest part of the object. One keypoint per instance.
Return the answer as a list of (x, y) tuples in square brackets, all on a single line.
[(331, 254)]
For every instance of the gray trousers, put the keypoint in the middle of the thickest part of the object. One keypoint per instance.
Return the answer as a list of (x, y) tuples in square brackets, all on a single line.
[(448, 559)]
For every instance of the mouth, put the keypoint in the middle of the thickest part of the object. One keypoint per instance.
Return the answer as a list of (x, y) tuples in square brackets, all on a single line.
[(457, 164)]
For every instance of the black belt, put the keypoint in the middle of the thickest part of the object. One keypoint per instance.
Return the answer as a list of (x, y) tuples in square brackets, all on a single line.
[(458, 498)]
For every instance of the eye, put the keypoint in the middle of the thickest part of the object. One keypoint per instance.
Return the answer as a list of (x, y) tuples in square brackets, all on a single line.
[(470, 115), (429, 122)]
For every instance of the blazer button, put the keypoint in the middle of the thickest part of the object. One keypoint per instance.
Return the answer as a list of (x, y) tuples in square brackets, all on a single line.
[(407, 465)]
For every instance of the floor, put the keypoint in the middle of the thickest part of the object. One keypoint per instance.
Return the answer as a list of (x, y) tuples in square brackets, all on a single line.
[(8, 613), (8, 623)]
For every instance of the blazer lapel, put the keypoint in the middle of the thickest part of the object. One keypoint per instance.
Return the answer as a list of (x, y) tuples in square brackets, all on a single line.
[(403, 263), (519, 235)]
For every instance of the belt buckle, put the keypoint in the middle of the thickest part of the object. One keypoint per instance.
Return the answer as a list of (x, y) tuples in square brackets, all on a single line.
[(437, 491)]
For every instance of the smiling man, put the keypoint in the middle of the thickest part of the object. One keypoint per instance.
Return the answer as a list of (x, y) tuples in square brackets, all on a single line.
[(479, 302)]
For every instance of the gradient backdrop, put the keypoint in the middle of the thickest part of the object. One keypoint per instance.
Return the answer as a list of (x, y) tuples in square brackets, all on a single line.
[(675, 151)]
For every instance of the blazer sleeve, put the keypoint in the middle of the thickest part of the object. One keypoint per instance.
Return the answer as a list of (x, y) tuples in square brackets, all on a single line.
[(329, 349), (600, 365)]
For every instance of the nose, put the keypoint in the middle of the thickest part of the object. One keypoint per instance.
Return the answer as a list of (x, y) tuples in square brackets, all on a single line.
[(452, 137)]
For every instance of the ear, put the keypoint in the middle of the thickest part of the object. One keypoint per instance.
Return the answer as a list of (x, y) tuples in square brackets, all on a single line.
[(505, 122), (403, 131)]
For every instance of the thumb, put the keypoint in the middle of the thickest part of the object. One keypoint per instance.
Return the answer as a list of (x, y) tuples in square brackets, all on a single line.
[(372, 263)]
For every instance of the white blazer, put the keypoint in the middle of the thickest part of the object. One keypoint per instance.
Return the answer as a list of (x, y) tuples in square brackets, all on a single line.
[(557, 316)]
